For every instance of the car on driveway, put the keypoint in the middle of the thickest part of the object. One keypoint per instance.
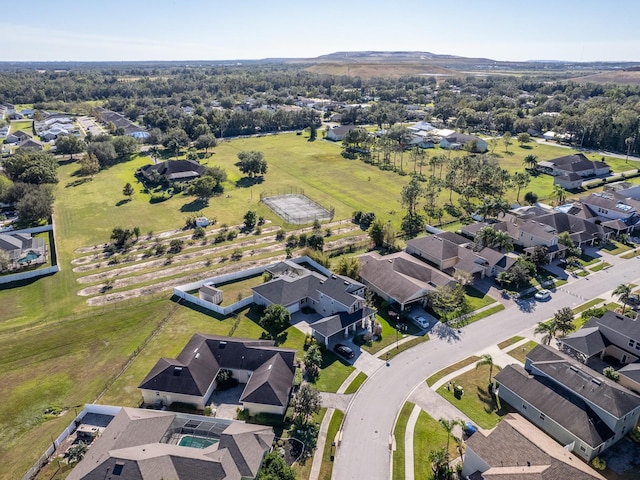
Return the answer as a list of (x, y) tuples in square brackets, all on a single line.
[(421, 322), (542, 295), (344, 351)]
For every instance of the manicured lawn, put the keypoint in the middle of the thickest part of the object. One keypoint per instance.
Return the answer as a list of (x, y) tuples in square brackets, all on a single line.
[(511, 341), (480, 315), (398, 433), (355, 385), (521, 352), (631, 254), (428, 436), (450, 369), (615, 248), (234, 291), (600, 266), (334, 372), (587, 305), (476, 298), (326, 469), (303, 467), (477, 403)]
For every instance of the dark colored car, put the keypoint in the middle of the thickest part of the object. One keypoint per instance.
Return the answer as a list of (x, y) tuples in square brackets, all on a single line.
[(343, 350)]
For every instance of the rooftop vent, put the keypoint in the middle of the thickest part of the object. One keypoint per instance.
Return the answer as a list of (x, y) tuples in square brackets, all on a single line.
[(197, 356), (346, 282), (334, 277), (596, 381), (222, 345), (575, 369), (177, 371)]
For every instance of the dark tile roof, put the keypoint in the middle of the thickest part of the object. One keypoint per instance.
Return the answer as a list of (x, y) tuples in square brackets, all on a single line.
[(584, 382), (175, 169), (461, 138), (333, 324), (580, 229), (587, 341), (517, 449), (343, 129), (612, 321), (437, 246), (575, 163), (565, 409), (270, 383), (195, 368), (571, 177)]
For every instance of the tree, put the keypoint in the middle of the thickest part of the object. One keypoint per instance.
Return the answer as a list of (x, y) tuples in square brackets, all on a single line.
[(274, 467), (507, 141), (176, 245), (128, 191), (316, 242), (275, 318), (252, 163), (250, 219), (623, 291), (563, 321), (70, 145), (219, 174), (540, 255), (313, 132), (521, 180), (530, 161), (89, 165), (448, 426), (531, 198), (486, 359), (559, 193), (313, 360), (547, 330), (410, 195), (524, 138), (349, 266), (449, 302), (104, 152), (31, 166), (77, 452), (440, 464), (205, 142), (204, 187), (122, 237), (175, 139), (306, 402), (376, 232)]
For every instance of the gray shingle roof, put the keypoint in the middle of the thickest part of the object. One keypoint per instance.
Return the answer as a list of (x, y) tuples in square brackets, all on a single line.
[(561, 406), (175, 169), (587, 341), (270, 383), (333, 324), (516, 449), (438, 246)]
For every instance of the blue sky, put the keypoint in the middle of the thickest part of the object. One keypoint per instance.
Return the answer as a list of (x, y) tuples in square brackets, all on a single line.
[(577, 30)]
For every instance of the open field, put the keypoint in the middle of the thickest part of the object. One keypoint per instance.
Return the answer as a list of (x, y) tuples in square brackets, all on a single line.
[(56, 350)]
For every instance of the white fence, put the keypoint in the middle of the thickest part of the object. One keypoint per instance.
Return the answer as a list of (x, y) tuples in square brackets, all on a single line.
[(181, 291), (41, 272), (88, 408)]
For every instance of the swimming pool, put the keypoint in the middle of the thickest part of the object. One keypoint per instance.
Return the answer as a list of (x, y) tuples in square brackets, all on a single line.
[(196, 442)]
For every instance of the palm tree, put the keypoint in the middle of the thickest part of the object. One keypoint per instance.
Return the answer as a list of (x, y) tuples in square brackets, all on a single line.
[(440, 464), (563, 321), (623, 291), (530, 161), (502, 241), (485, 237), (521, 180), (547, 330), (486, 359), (560, 193), (448, 426)]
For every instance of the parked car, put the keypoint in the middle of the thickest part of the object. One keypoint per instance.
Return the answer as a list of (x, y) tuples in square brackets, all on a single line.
[(469, 428), (421, 322), (344, 351), (542, 295)]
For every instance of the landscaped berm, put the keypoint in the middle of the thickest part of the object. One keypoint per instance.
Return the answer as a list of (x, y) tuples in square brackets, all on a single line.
[(295, 207)]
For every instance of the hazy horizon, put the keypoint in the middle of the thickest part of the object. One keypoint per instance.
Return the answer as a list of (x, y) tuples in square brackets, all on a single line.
[(197, 30)]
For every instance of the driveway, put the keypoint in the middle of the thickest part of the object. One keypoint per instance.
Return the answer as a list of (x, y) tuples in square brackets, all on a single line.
[(365, 450)]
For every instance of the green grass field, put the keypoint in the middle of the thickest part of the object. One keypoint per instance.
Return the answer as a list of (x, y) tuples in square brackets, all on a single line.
[(398, 433), (55, 350)]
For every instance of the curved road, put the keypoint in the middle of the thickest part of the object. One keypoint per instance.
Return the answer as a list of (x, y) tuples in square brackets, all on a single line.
[(365, 451)]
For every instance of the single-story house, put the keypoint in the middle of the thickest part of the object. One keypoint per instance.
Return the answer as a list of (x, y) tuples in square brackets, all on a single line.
[(337, 299), (577, 163), (336, 134), (577, 406), (145, 444), (440, 249), (516, 449), (173, 170), (400, 278), (267, 372), (30, 144), (457, 141), (17, 137), (568, 181)]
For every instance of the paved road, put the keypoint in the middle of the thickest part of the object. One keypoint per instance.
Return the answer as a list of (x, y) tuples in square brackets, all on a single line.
[(365, 451)]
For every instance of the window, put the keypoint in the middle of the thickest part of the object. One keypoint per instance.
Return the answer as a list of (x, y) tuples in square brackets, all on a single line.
[(582, 448), (542, 416), (524, 406), (631, 343)]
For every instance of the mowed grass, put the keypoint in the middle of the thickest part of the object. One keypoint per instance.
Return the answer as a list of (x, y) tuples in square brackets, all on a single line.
[(427, 437), (520, 353), (326, 469), (334, 372), (398, 433)]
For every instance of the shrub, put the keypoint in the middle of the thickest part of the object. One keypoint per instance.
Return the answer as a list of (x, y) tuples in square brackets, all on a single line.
[(176, 245), (198, 233), (280, 235), (598, 463)]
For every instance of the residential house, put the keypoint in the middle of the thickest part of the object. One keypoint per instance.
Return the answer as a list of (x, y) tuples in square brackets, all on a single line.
[(22, 250), (457, 141), (173, 171), (400, 278), (336, 134), (516, 449), (266, 371), (18, 136), (568, 181), (576, 163), (453, 253), (4, 131), (145, 444), (120, 121), (582, 231), (577, 406), (611, 339), (338, 300), (30, 144)]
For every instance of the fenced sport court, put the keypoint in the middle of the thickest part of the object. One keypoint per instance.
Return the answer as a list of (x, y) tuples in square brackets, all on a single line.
[(294, 207)]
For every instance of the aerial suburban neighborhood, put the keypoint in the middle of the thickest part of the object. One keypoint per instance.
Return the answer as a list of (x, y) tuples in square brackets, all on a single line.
[(363, 265)]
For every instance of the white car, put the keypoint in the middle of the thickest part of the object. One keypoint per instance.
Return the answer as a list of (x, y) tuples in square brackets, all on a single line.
[(421, 322), (542, 295)]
